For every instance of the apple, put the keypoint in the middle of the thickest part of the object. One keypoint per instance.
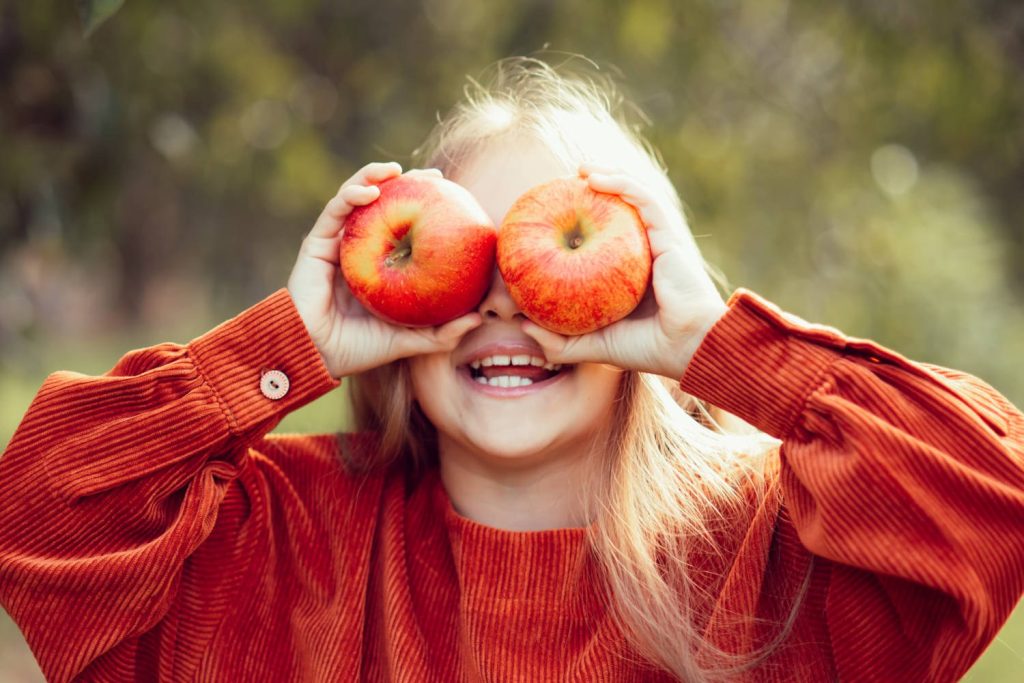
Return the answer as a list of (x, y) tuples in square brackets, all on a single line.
[(421, 254), (574, 260)]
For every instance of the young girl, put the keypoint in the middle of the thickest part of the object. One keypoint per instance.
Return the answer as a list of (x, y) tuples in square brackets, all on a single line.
[(591, 524)]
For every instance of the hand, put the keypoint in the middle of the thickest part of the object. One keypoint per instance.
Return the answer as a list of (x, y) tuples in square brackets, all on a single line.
[(677, 311), (348, 337)]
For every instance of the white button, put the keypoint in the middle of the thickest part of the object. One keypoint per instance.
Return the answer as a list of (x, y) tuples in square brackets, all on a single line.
[(274, 384)]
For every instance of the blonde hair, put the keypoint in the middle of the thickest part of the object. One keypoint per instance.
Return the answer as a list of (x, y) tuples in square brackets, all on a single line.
[(676, 486)]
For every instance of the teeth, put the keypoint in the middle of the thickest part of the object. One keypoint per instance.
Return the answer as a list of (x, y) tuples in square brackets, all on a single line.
[(506, 381), (521, 359)]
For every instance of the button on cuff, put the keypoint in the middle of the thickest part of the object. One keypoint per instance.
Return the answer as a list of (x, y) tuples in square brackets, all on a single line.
[(274, 384)]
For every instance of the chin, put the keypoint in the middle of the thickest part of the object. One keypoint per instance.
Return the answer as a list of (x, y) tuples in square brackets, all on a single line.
[(511, 447)]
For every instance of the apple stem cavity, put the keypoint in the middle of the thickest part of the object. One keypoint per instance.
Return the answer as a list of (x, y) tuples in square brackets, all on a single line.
[(397, 256), (401, 252), (574, 238)]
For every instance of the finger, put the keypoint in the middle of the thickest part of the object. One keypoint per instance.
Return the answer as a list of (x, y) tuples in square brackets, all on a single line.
[(359, 195), (561, 349), (622, 185), (451, 332), (436, 172), (322, 248), (376, 172), (333, 216), (413, 342), (589, 167)]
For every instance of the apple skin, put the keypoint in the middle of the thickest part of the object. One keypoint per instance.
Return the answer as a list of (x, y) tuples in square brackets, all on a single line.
[(574, 260), (421, 254)]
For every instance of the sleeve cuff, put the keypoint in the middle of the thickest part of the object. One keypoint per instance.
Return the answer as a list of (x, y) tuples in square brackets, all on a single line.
[(270, 336), (761, 364)]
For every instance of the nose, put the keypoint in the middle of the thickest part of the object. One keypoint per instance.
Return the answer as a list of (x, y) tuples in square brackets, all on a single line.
[(498, 305)]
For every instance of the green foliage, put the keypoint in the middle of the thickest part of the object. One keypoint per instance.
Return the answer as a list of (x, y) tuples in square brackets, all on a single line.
[(95, 12)]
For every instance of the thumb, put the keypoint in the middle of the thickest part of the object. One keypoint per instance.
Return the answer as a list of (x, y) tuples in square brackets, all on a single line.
[(414, 342), (449, 334), (562, 349)]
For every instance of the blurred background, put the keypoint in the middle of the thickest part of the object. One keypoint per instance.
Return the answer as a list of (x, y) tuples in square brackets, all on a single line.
[(859, 163)]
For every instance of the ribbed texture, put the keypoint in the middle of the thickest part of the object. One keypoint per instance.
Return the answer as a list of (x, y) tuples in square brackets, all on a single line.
[(151, 530)]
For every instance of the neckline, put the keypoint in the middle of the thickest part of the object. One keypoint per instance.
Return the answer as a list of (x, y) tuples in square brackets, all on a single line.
[(548, 568), (444, 501)]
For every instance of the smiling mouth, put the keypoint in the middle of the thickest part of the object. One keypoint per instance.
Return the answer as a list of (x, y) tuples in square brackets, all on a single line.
[(507, 371)]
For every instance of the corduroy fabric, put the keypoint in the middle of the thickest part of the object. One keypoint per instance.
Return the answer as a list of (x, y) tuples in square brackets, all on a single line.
[(151, 529)]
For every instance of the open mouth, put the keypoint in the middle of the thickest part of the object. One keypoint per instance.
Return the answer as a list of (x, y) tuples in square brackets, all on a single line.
[(508, 371)]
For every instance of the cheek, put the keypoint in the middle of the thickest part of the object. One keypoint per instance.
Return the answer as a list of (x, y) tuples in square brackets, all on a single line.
[(600, 383), (431, 384), (604, 389)]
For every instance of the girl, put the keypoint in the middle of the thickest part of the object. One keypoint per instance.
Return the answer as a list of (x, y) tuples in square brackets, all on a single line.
[(593, 524)]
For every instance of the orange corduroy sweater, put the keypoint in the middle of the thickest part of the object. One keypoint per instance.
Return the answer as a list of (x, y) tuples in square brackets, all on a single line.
[(151, 529)]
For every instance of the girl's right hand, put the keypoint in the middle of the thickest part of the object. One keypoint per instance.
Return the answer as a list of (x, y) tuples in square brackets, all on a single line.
[(349, 338)]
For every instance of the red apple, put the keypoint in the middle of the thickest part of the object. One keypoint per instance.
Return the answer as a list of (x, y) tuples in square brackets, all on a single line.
[(574, 260), (421, 254)]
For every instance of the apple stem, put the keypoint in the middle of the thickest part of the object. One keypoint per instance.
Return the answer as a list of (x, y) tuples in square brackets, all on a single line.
[(574, 238), (398, 254)]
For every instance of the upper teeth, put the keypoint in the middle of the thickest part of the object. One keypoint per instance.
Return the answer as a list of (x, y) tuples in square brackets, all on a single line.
[(524, 359)]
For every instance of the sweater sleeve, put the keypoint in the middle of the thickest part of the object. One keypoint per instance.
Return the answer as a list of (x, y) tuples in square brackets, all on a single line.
[(111, 482), (907, 478)]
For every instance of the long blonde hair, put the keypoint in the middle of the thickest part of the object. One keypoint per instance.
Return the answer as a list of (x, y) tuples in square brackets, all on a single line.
[(677, 486)]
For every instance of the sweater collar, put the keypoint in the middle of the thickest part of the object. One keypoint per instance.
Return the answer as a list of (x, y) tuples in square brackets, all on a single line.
[(550, 568)]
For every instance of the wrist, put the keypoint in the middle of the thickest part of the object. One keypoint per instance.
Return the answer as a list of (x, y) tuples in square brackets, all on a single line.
[(701, 324), (315, 334), (234, 357)]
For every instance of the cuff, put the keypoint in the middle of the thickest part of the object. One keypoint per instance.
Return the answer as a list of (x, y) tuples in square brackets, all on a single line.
[(270, 336), (761, 364)]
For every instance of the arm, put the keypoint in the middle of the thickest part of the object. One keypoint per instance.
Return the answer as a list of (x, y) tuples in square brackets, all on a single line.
[(111, 482), (909, 478)]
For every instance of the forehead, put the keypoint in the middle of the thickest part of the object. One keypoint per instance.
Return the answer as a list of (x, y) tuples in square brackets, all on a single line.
[(501, 172)]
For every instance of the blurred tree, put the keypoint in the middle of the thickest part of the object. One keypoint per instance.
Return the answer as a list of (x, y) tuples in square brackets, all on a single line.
[(177, 181)]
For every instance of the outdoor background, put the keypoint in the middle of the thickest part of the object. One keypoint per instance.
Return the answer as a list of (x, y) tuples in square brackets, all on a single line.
[(859, 163)]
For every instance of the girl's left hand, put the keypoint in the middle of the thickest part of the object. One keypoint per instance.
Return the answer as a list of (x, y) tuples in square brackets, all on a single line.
[(681, 304)]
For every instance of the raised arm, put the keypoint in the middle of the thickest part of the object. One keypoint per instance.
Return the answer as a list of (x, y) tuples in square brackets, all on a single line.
[(909, 478), (111, 482)]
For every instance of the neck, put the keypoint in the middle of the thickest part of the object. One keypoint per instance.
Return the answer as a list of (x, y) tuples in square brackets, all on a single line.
[(521, 496)]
